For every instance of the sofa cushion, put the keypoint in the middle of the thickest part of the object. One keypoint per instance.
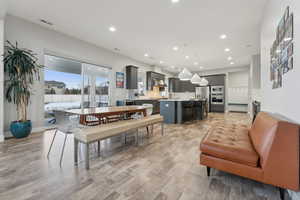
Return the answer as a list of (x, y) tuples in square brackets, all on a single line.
[(262, 133), (230, 142)]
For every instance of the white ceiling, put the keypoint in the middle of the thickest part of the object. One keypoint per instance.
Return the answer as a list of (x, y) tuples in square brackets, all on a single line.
[(155, 26), (3, 4)]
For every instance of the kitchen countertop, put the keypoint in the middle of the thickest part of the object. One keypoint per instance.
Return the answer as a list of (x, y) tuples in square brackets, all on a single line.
[(146, 99), (183, 100)]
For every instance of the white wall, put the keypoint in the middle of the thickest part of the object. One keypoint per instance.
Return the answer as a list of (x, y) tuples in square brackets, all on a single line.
[(238, 79), (223, 70), (3, 8), (1, 80), (255, 70), (238, 90), (283, 100), (42, 40), (255, 78), (254, 81)]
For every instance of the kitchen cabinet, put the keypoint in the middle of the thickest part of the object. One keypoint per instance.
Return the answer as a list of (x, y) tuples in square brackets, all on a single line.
[(154, 79), (131, 77), (217, 80), (176, 85), (214, 80), (168, 109)]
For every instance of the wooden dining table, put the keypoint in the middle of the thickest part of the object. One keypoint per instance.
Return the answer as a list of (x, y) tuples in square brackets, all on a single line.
[(102, 112)]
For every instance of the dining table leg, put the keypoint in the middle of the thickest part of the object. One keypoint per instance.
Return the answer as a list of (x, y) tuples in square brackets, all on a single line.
[(82, 119)]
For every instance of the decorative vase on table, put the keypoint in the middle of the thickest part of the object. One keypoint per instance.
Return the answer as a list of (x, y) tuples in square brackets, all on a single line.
[(22, 69), (20, 129)]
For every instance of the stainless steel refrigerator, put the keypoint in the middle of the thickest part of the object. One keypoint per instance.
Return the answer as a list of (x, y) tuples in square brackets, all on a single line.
[(203, 92)]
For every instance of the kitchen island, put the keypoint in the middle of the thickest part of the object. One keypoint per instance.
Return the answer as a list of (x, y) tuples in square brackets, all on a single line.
[(142, 101), (177, 111)]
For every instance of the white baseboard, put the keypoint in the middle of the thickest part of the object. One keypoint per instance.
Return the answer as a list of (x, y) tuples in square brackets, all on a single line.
[(7, 134)]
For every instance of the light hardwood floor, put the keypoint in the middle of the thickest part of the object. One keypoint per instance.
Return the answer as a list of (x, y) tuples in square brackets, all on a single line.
[(163, 168)]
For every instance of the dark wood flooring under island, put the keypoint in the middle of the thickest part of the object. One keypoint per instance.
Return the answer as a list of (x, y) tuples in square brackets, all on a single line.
[(163, 168)]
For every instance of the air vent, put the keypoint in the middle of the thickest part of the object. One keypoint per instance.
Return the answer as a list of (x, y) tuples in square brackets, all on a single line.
[(46, 22)]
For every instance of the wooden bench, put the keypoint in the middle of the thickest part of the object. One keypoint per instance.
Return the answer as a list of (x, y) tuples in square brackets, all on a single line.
[(96, 134)]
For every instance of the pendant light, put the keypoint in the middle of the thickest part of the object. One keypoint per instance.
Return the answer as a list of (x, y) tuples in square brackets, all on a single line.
[(185, 75), (203, 82), (196, 79)]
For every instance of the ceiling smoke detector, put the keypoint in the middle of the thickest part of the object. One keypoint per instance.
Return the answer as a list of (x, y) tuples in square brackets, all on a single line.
[(46, 22)]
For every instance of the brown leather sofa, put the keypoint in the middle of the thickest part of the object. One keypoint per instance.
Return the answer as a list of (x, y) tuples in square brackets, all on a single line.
[(268, 152)]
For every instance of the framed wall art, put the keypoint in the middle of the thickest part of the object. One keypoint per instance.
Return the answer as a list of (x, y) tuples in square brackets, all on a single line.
[(282, 50), (119, 80)]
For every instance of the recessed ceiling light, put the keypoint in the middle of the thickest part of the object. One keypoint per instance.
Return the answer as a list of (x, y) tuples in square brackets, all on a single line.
[(112, 29), (175, 48), (201, 67), (175, 1), (146, 55), (172, 66), (187, 57), (161, 62), (229, 58), (227, 50), (196, 63), (223, 36), (232, 63)]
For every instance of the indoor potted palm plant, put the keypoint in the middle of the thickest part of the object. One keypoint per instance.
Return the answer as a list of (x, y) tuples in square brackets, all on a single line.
[(21, 69)]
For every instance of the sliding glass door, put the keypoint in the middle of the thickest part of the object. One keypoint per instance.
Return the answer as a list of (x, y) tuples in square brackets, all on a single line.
[(72, 84), (95, 85)]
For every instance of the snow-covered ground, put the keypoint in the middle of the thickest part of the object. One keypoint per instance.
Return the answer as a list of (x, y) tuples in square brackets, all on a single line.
[(61, 106)]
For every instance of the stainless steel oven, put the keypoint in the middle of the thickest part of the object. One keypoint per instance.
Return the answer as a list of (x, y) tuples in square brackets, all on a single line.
[(217, 95)]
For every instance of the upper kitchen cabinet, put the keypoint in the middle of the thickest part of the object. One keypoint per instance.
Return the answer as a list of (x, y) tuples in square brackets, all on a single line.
[(155, 79), (216, 79), (176, 85), (131, 77), (187, 86)]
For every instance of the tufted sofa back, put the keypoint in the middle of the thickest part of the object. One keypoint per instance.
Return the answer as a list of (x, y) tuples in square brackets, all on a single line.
[(262, 134)]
